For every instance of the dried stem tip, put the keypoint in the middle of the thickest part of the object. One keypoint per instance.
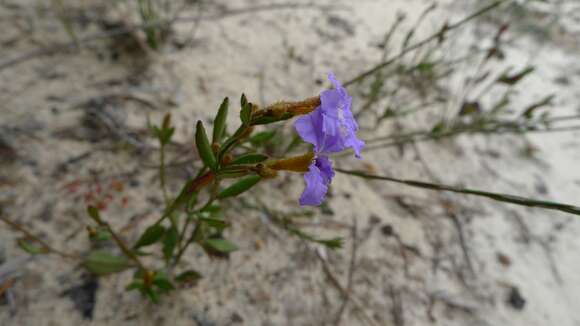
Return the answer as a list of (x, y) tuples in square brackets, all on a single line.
[(295, 108), (295, 164)]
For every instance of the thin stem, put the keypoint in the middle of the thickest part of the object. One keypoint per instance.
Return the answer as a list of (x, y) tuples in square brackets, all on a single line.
[(191, 187), (120, 243), (31, 236), (438, 35), (428, 136), (189, 241), (162, 179), (506, 198)]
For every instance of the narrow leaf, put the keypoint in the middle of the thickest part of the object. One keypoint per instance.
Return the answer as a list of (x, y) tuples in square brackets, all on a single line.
[(169, 242), (239, 187), (215, 223), (221, 245), (150, 236), (102, 262), (151, 294), (162, 282), (515, 78), (262, 137), (252, 158), (190, 276), (203, 147), (219, 123), (246, 112), (31, 249), (135, 285)]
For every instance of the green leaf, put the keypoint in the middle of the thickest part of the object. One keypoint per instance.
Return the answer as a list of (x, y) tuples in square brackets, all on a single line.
[(239, 187), (165, 135), (162, 281), (221, 245), (31, 249), (246, 112), (546, 101), (264, 120), (262, 137), (513, 79), (94, 213), (219, 123), (190, 276), (151, 294), (425, 67), (438, 128), (135, 285), (203, 147), (334, 244), (169, 242), (150, 236), (252, 158), (214, 223), (212, 209), (102, 262)]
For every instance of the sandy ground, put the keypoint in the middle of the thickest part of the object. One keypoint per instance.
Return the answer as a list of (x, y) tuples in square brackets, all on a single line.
[(420, 258)]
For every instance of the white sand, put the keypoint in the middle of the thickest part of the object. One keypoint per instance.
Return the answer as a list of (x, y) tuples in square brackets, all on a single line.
[(276, 279)]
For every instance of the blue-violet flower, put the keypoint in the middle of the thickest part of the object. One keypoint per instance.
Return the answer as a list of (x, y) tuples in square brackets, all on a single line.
[(330, 128)]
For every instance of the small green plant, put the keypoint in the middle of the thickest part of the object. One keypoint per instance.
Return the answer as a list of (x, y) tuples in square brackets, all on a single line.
[(235, 161)]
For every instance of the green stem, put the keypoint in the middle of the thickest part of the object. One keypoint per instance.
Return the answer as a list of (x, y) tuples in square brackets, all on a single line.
[(190, 187), (189, 241), (120, 243), (162, 179), (506, 198), (33, 237)]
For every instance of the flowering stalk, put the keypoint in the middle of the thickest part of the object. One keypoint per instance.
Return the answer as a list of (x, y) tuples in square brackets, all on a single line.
[(506, 198)]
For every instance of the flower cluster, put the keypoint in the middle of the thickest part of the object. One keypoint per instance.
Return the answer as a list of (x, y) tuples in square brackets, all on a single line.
[(331, 128)]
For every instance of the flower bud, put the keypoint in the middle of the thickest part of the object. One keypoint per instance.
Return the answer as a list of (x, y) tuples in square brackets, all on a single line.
[(227, 159), (148, 277), (295, 164), (166, 121)]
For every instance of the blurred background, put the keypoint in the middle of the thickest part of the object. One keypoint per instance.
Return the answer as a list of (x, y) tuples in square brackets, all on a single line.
[(482, 94)]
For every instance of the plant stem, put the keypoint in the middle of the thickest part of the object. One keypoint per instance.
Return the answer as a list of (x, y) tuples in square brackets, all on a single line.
[(210, 200), (191, 187), (187, 243), (162, 179), (120, 243), (31, 236), (506, 198)]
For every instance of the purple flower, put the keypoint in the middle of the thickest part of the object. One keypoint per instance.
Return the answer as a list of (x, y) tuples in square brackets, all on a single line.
[(317, 179), (330, 128)]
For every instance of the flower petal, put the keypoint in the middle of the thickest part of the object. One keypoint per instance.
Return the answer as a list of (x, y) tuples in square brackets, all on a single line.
[(309, 127), (331, 127), (316, 188), (324, 164)]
